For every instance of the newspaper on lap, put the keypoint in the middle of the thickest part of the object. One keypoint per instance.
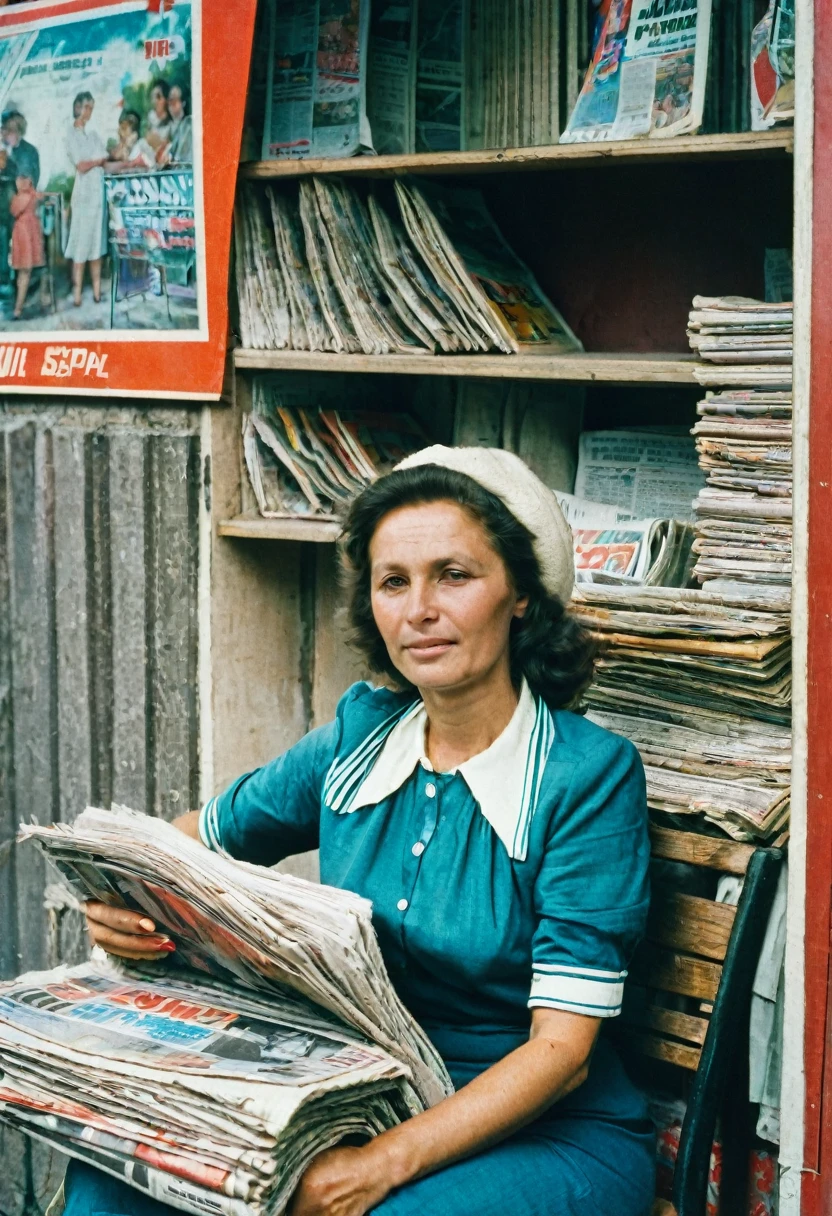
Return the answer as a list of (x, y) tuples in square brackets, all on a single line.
[(210, 1081)]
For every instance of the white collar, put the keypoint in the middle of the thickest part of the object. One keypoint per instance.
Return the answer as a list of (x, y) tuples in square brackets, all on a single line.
[(504, 779)]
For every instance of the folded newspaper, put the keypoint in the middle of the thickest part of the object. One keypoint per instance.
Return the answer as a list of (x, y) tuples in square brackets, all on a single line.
[(211, 1080)]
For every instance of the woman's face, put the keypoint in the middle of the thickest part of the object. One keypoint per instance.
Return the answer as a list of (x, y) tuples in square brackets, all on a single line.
[(159, 102), (175, 104), (441, 595), (85, 111)]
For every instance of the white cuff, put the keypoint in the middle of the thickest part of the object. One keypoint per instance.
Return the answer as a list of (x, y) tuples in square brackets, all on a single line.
[(208, 827), (596, 994)]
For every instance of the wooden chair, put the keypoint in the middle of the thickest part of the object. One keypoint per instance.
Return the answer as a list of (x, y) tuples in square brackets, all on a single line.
[(708, 951)]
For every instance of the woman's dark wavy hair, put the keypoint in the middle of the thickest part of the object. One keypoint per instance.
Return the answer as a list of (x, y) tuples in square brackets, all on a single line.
[(547, 645)]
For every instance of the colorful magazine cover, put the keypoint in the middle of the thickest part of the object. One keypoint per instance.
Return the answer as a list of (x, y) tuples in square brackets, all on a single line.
[(647, 74)]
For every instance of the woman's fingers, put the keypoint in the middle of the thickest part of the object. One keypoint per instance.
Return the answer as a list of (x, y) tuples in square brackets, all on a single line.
[(126, 933), (122, 919), (110, 939)]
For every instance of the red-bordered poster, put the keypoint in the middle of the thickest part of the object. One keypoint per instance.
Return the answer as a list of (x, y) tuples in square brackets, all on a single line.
[(120, 127)]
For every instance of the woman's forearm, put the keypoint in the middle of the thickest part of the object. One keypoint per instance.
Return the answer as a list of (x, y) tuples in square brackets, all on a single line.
[(503, 1099), (189, 824)]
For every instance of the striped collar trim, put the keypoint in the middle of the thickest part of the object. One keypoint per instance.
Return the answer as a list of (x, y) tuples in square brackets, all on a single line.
[(505, 779)]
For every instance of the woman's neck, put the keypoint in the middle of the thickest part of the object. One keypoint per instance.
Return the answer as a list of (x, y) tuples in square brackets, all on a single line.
[(464, 722)]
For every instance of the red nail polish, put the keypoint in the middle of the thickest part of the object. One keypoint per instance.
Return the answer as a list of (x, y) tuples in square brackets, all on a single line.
[(167, 946)]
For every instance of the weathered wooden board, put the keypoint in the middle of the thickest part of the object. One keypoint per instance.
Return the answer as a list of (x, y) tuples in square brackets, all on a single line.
[(173, 624), (8, 918), (128, 454), (74, 675), (98, 693), (34, 755)]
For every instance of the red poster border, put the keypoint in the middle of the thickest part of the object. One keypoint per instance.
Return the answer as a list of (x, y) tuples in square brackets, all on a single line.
[(154, 369), (816, 1188)]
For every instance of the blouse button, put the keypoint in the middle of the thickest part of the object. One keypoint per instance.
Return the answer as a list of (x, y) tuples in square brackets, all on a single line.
[(430, 790), (418, 849), (402, 905)]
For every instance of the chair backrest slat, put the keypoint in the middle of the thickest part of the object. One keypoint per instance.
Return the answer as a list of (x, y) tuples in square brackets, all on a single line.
[(680, 1054), (710, 851), (693, 925), (679, 973), (664, 1021)]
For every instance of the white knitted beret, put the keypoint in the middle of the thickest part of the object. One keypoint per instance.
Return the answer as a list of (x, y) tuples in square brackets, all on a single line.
[(529, 500)]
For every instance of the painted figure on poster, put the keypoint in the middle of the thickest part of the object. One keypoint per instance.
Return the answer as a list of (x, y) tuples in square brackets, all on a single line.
[(180, 149), (158, 116), (86, 241), (24, 156), (27, 236)]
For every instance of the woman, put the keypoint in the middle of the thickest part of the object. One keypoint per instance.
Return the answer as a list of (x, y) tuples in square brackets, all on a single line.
[(158, 121), (180, 150), (87, 240), (501, 839)]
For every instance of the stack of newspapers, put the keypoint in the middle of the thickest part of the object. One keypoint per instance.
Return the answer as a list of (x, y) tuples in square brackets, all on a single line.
[(700, 681), (412, 269), (308, 459), (211, 1080), (744, 440)]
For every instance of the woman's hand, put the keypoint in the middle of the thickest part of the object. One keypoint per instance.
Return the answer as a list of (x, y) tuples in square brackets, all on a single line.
[(125, 933), (342, 1182)]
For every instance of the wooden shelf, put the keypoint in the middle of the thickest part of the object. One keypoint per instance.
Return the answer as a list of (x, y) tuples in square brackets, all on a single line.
[(578, 368), (745, 144), (255, 527)]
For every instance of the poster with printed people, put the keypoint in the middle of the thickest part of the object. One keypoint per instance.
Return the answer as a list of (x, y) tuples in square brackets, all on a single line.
[(104, 220)]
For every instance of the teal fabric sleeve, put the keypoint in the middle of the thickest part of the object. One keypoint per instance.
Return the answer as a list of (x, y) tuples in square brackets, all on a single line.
[(273, 812), (592, 890)]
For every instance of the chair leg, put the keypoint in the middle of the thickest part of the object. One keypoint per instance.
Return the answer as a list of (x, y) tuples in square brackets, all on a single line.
[(737, 1132)]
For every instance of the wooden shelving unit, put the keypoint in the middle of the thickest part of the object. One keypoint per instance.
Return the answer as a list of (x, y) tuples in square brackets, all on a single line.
[(254, 527), (617, 368), (747, 144)]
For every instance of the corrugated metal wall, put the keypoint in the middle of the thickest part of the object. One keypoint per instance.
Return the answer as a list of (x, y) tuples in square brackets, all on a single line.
[(98, 661)]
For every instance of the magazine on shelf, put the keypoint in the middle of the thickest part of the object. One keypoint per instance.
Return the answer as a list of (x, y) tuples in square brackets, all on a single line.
[(612, 546), (648, 72), (305, 457), (316, 86), (391, 76)]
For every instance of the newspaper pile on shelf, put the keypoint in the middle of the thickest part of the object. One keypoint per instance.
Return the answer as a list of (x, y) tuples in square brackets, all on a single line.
[(307, 459), (210, 1081), (648, 72), (316, 83), (700, 681), (744, 440), (415, 269)]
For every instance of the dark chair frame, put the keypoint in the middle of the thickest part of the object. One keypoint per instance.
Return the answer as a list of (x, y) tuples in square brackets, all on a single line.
[(724, 1037)]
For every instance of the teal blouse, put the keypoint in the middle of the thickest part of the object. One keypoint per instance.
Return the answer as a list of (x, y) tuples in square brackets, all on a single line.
[(518, 880)]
